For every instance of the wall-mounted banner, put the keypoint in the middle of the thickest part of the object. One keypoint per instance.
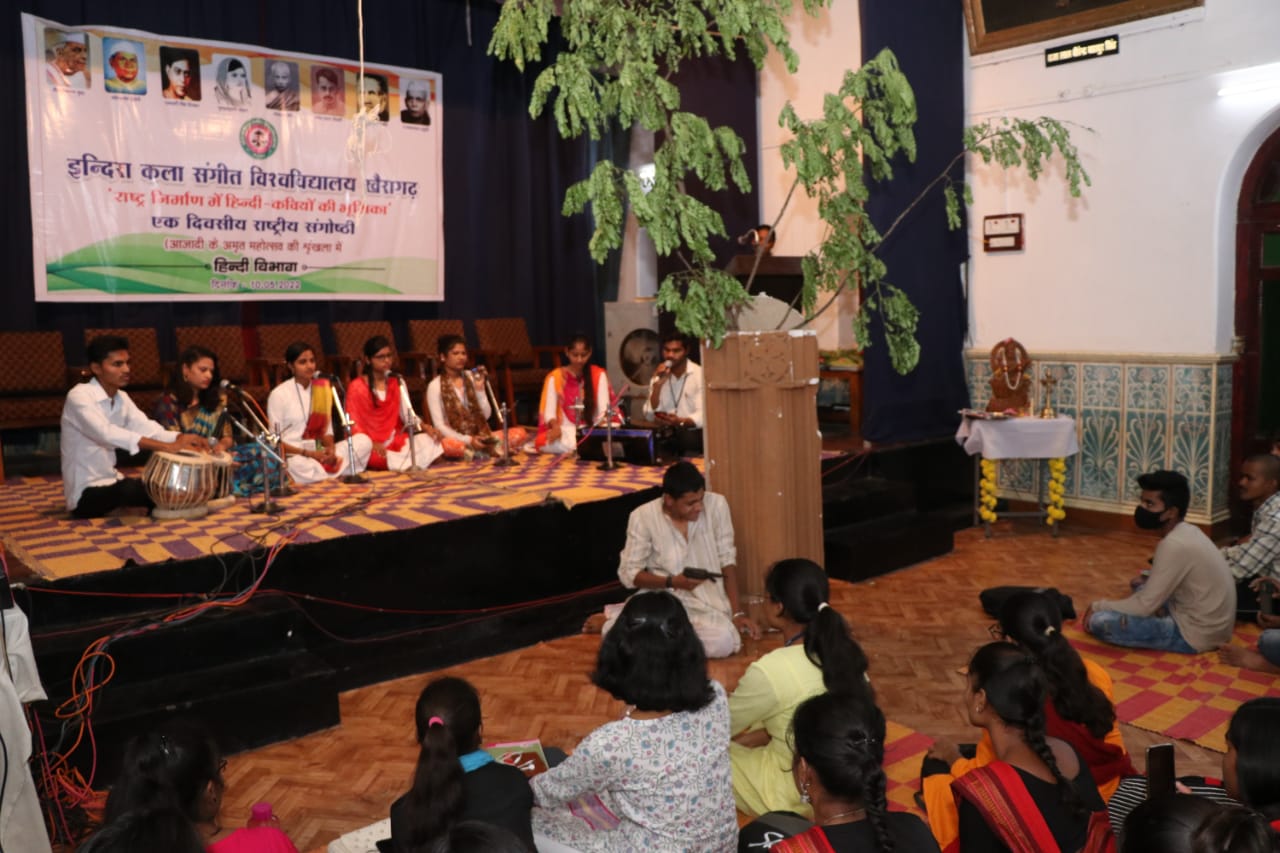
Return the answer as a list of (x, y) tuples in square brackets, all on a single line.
[(169, 168)]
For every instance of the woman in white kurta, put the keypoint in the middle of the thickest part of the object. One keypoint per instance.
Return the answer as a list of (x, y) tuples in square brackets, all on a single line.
[(299, 410), (657, 778), (574, 395)]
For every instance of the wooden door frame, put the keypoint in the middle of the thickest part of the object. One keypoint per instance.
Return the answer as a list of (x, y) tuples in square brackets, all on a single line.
[(1252, 220)]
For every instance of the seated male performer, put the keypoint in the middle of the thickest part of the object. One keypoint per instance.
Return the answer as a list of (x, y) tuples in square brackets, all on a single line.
[(1188, 603), (99, 417), (688, 527), (675, 394), (1258, 554)]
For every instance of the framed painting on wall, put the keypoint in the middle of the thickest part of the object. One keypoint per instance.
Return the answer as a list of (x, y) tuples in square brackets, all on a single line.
[(997, 24)]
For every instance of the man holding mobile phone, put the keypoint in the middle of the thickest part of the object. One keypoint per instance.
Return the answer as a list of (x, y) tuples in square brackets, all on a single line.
[(686, 526)]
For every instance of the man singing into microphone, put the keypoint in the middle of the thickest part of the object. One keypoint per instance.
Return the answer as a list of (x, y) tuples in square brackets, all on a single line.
[(675, 394), (97, 418)]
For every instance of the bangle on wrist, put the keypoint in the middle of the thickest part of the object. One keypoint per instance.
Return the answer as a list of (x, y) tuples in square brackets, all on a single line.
[(738, 613)]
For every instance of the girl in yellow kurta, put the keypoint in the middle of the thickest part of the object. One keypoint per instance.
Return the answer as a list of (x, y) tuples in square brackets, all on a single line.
[(1080, 710), (820, 654)]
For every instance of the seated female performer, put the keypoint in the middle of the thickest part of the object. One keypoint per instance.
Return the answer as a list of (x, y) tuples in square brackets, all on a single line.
[(459, 406), (1078, 710), (299, 409), (1036, 793), (381, 412), (573, 395), (819, 655), (193, 403)]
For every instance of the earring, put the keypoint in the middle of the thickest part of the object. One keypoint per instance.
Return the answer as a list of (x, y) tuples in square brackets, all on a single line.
[(804, 792)]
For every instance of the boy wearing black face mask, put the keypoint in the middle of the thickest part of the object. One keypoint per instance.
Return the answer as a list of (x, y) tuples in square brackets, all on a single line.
[(1190, 581)]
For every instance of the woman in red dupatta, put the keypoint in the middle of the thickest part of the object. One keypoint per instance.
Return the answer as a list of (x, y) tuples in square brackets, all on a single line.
[(1037, 795), (376, 406), (839, 768)]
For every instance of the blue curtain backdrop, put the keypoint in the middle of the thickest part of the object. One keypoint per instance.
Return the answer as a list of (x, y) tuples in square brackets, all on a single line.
[(507, 249), (923, 257)]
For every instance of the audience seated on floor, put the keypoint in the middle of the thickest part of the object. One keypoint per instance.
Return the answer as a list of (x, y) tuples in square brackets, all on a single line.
[(1258, 554), (178, 766), (1266, 656), (839, 770), (687, 527), (456, 780), (1187, 603), (819, 654), (1251, 767), (1037, 793), (658, 778), (164, 828), (300, 410), (1234, 829), (1078, 709), (1166, 824)]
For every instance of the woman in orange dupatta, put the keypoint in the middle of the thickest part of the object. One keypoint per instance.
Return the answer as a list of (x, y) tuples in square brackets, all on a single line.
[(1037, 795), (575, 394), (299, 410), (839, 769), (1078, 710)]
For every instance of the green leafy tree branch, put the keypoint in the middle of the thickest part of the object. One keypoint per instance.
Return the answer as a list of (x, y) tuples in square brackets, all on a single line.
[(616, 68)]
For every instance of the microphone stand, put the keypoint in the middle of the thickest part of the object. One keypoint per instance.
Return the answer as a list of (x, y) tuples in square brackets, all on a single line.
[(267, 506), (282, 488), (353, 478), (412, 426), (505, 460), (608, 464)]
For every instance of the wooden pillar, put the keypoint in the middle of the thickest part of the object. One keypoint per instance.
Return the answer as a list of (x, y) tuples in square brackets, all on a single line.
[(762, 446)]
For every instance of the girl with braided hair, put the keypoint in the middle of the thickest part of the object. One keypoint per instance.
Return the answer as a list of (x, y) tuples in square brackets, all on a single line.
[(819, 655), (839, 748), (1038, 793)]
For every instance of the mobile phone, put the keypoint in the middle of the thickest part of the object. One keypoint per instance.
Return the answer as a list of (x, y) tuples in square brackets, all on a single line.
[(1160, 775), (701, 574), (1267, 600)]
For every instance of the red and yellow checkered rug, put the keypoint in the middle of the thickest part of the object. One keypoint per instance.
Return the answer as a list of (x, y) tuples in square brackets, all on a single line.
[(36, 529), (1191, 697)]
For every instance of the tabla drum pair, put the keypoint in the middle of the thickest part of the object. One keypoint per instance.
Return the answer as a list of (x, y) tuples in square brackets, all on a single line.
[(187, 485)]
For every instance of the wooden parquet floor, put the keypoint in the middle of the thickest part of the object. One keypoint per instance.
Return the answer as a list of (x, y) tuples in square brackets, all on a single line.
[(918, 626)]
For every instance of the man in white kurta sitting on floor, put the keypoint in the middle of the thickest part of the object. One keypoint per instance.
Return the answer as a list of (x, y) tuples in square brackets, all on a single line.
[(97, 418), (687, 527)]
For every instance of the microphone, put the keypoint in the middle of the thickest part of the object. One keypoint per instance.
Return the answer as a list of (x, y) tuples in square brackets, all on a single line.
[(228, 385), (668, 364)]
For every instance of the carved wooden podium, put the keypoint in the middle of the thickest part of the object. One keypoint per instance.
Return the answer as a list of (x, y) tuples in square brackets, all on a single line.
[(762, 446)]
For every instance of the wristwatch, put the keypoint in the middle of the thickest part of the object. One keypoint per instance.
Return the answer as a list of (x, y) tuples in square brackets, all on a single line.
[(671, 582)]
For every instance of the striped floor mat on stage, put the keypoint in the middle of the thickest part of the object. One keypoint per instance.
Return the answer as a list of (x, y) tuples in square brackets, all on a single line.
[(1189, 697), (36, 529)]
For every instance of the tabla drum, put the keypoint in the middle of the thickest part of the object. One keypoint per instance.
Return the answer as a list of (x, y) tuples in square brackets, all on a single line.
[(223, 477), (179, 484)]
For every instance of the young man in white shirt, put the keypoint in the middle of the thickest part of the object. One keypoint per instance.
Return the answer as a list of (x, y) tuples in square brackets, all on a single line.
[(676, 394), (97, 418)]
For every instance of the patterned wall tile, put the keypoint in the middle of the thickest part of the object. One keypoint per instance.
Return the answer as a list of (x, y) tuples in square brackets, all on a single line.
[(1191, 440), (1225, 375), (1018, 475), (1221, 461), (1192, 389), (1146, 444), (1072, 484), (979, 383), (1100, 438), (1147, 387), (1101, 386)]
